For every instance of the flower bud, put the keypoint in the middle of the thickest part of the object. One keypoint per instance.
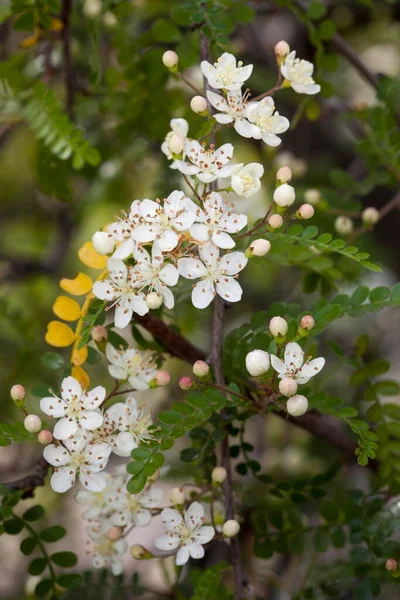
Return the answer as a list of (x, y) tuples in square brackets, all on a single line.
[(140, 552), (201, 368), (257, 362), (391, 564), (219, 475), (288, 386), (297, 405), (185, 383), (282, 49), (154, 300), (33, 423), (198, 104), (312, 196), (18, 393), (306, 211), (114, 533), (45, 437), (275, 221), (278, 327), (176, 143), (370, 216), (109, 19), (103, 242), (284, 174), (284, 195), (177, 496), (307, 322), (99, 334), (92, 8), (230, 528), (343, 225), (170, 59), (163, 378), (258, 248)]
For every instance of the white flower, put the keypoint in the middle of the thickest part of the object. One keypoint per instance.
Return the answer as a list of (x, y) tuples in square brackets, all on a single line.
[(284, 195), (232, 109), (293, 366), (99, 504), (207, 165), (134, 508), (106, 552), (162, 222), (246, 179), (132, 424), (76, 408), (188, 533), (121, 290), (154, 274), (266, 122), (216, 273), (216, 221), (121, 231), (133, 365), (299, 73), (78, 456), (175, 140), (225, 74), (257, 362)]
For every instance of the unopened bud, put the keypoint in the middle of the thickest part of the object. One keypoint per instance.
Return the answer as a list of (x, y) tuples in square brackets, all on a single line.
[(343, 225), (288, 386), (103, 242), (297, 405), (284, 195), (230, 528), (257, 362), (170, 59), (275, 221), (176, 143), (312, 196), (99, 334), (198, 104), (45, 437), (92, 8), (33, 423), (177, 496), (140, 552), (154, 300), (282, 48), (163, 378), (114, 533), (185, 383), (391, 564), (109, 19), (284, 174), (306, 211), (17, 394), (219, 475), (278, 327), (259, 247), (370, 216), (307, 322), (201, 368)]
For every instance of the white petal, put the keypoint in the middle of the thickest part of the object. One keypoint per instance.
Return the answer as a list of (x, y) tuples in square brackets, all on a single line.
[(194, 515), (65, 428), (224, 153), (97, 455), (90, 419), (124, 443), (199, 232), (169, 275), (54, 407), (167, 542), (122, 317), (271, 139), (229, 289), (57, 456), (207, 177), (168, 240), (94, 398), (232, 263), (218, 101), (63, 479), (182, 556), (186, 168), (171, 519), (184, 220), (223, 118), (205, 534), (278, 365), (294, 356), (196, 550), (117, 372), (203, 293), (104, 290), (94, 482), (313, 367), (142, 518), (191, 268), (243, 127), (167, 296), (233, 223), (223, 240), (70, 388), (145, 233), (125, 249)]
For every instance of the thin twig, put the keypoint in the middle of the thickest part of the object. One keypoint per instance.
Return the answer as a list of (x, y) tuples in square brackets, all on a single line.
[(66, 10)]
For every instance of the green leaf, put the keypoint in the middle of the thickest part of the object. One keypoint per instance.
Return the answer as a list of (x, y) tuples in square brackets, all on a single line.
[(37, 566), (13, 526), (28, 545), (53, 534), (379, 294), (34, 513), (321, 539), (64, 559), (165, 31), (327, 29), (392, 411), (43, 588), (52, 360), (69, 581), (338, 537), (387, 387), (316, 10)]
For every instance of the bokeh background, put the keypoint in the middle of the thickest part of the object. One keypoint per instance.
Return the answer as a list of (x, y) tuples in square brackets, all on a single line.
[(123, 98)]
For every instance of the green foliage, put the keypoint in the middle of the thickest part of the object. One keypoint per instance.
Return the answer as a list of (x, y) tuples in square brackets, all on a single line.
[(14, 432), (210, 585)]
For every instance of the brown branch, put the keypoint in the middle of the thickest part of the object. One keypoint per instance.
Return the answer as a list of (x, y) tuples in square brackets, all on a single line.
[(30, 482)]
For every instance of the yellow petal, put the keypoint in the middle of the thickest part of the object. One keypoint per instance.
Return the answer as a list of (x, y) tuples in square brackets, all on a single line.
[(82, 284), (91, 258), (81, 375), (59, 334), (56, 24), (30, 41), (66, 308), (79, 356)]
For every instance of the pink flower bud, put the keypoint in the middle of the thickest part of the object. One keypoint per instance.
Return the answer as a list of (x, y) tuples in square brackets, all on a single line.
[(287, 386), (198, 104), (284, 174), (278, 326), (230, 528), (297, 405), (201, 368), (306, 211), (177, 496), (307, 322), (114, 533), (163, 378), (391, 564), (185, 383), (275, 221), (33, 423), (99, 333), (45, 437), (170, 59), (282, 48), (17, 392)]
